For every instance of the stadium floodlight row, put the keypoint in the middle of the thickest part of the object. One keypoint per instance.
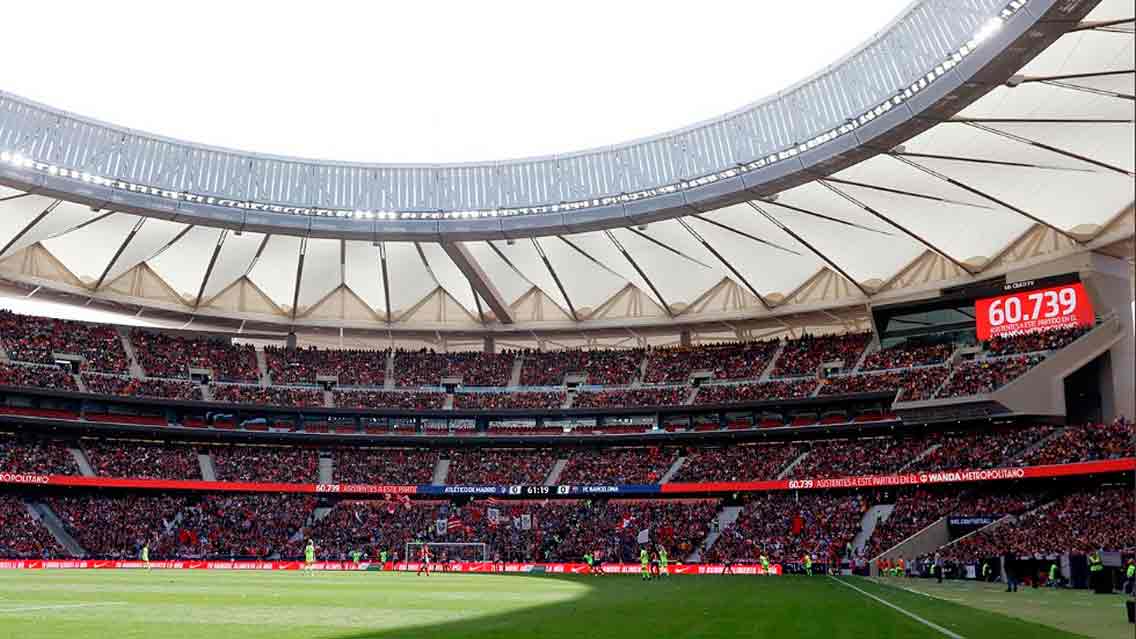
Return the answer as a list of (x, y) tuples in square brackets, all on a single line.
[(872, 92)]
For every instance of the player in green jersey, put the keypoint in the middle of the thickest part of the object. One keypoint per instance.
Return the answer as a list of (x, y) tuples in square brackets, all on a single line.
[(310, 557), (764, 563), (645, 563), (382, 559), (808, 564), (663, 561), (355, 557), (146, 555)]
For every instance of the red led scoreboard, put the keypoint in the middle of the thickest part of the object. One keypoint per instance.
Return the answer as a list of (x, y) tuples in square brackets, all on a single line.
[(1033, 306)]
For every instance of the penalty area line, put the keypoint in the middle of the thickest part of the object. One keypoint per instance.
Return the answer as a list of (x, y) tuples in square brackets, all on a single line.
[(929, 624), (61, 606)]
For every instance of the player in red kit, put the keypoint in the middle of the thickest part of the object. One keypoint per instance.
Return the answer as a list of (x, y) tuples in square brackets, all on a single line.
[(424, 561)]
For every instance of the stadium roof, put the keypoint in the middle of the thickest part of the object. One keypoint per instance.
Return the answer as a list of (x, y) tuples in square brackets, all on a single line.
[(837, 192)]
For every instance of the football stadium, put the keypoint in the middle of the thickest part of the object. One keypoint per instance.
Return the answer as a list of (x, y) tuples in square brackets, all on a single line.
[(855, 359)]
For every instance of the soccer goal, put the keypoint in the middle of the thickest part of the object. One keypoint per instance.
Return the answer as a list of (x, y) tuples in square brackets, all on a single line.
[(453, 551)]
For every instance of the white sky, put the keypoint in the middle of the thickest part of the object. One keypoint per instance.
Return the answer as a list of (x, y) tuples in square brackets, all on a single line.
[(440, 81)]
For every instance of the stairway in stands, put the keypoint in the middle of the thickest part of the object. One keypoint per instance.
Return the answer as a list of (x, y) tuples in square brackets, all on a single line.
[(81, 461), (326, 468), (515, 374), (262, 366), (691, 396), (873, 516), (673, 470), (131, 356), (768, 372), (727, 515), (205, 463), (43, 513), (388, 376), (793, 464), (441, 473), (557, 470)]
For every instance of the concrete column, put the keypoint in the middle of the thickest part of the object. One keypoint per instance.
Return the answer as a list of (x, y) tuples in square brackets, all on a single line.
[(489, 344), (684, 338), (1111, 287)]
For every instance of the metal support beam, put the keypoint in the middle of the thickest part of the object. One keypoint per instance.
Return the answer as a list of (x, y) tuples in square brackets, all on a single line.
[(481, 282), (805, 242), (983, 195), (897, 225), (209, 269), (729, 265), (1048, 147), (118, 253), (299, 275), (635, 265), (386, 282), (555, 278), (27, 227)]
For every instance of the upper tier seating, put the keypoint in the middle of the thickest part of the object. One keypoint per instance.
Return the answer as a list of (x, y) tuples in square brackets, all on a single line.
[(34, 339), (162, 355)]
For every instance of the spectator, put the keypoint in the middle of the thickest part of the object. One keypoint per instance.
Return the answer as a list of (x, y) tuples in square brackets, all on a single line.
[(662, 396), (981, 376), (130, 387), (618, 466), (265, 464), (162, 355), (804, 356), (500, 466)]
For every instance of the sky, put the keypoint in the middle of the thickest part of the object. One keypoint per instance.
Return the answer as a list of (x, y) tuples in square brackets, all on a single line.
[(420, 82)]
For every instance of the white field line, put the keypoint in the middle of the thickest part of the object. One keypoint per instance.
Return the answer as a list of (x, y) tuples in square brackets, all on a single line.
[(896, 608), (61, 606)]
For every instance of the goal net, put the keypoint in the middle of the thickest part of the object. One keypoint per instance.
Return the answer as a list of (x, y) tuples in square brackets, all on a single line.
[(451, 551)]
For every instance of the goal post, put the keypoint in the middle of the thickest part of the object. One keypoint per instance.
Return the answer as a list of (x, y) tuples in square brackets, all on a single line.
[(454, 551)]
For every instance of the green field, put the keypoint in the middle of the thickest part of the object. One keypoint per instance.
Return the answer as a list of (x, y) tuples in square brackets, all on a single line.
[(167, 604)]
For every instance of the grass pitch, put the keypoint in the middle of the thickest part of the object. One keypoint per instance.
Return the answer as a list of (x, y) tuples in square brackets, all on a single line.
[(366, 605)]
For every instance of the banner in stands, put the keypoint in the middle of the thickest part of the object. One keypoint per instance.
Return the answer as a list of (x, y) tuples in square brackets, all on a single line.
[(467, 567), (590, 490)]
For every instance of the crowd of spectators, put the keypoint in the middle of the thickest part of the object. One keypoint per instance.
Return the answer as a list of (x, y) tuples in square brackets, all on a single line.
[(36, 339), (21, 536), (981, 376), (116, 527), (36, 456), (755, 392), (384, 465), (785, 526), (611, 529), (427, 367), (242, 526), (977, 449), (869, 456), (370, 527), (265, 463), (1086, 442), (917, 508), (738, 462), (131, 387), (164, 355), (740, 360), (116, 458), (908, 354), (634, 397), (803, 356), (618, 465), (915, 383), (500, 466), (1079, 523), (1036, 341), (607, 367), (525, 399), (38, 376), (352, 367), (267, 395), (406, 400)]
